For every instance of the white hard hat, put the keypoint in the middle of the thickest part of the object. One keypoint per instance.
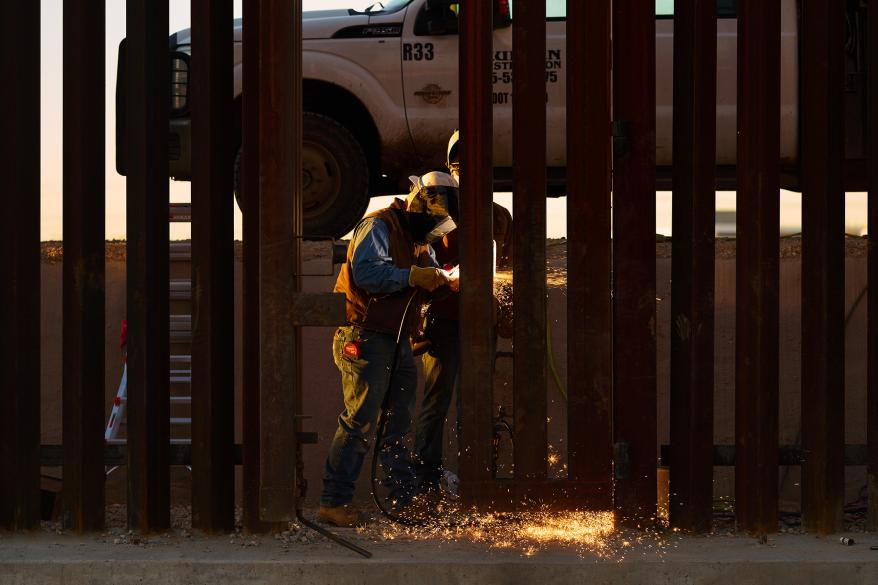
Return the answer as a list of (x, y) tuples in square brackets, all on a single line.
[(433, 179), (433, 205)]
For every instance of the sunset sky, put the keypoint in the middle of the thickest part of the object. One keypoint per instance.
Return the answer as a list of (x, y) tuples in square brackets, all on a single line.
[(51, 93)]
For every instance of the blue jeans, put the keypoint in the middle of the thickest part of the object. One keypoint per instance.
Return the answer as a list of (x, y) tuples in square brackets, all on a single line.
[(366, 382), (441, 365)]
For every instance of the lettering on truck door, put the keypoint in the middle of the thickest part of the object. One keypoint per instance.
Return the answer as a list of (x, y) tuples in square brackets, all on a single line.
[(556, 89), (556, 83), (430, 79)]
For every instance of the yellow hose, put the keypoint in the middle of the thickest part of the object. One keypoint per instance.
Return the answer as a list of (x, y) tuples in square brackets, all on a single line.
[(551, 359)]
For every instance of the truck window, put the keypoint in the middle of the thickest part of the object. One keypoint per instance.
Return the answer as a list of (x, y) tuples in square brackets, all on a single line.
[(664, 8), (724, 8), (386, 7), (437, 20), (727, 8), (441, 18), (556, 9)]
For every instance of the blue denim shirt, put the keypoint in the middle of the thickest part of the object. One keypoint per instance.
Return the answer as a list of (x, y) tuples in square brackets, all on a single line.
[(372, 264)]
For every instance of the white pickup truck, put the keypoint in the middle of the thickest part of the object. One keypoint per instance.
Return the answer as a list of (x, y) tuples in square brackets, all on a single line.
[(381, 99)]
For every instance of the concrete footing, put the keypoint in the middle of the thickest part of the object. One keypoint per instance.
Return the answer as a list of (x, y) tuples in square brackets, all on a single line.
[(799, 559), (183, 572)]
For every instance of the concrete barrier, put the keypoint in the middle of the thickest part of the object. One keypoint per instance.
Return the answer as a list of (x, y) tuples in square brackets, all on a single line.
[(799, 560)]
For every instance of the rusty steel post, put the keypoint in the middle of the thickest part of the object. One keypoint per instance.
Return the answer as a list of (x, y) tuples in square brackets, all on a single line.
[(147, 231), (529, 233), (822, 102), (250, 192), (477, 362), (83, 266), (692, 267), (589, 245), (756, 343), (213, 350), (20, 292), (280, 223), (872, 299), (634, 344)]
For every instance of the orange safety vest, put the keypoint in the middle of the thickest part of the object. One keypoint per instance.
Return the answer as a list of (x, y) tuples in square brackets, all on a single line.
[(383, 312)]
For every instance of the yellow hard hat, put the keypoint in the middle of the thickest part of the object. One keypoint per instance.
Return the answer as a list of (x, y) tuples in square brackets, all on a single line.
[(452, 156)]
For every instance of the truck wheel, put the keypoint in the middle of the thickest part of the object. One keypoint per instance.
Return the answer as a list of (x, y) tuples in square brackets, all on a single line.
[(335, 178)]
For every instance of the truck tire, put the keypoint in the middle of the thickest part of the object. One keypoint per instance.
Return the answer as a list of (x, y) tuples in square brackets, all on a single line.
[(335, 178)]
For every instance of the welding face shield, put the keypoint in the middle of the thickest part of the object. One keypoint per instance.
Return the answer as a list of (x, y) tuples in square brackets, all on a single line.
[(432, 206)]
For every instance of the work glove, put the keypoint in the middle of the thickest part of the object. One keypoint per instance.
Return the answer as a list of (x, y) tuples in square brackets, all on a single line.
[(427, 278)]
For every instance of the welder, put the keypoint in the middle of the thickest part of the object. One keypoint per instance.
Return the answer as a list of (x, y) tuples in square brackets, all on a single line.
[(442, 360), (390, 270)]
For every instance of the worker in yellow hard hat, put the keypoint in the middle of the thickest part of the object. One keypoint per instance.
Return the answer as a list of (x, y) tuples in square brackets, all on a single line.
[(442, 360)]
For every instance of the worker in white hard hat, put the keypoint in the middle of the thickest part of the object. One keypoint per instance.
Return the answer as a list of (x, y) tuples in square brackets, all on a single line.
[(386, 279), (442, 360)]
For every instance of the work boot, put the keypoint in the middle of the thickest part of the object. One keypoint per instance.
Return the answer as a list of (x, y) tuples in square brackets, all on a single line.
[(345, 516)]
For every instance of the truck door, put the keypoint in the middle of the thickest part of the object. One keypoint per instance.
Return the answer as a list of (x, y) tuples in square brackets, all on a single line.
[(430, 79)]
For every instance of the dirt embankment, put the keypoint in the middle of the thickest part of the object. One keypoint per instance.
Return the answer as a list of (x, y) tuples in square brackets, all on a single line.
[(556, 250), (52, 252)]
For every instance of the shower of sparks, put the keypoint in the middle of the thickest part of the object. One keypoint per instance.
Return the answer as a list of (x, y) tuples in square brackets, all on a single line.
[(503, 289), (588, 534), (582, 529)]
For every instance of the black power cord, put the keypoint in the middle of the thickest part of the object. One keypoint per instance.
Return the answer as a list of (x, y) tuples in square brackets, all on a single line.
[(382, 419), (331, 535)]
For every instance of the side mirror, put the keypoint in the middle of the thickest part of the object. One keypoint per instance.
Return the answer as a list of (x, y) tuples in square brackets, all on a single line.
[(179, 71), (178, 98)]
